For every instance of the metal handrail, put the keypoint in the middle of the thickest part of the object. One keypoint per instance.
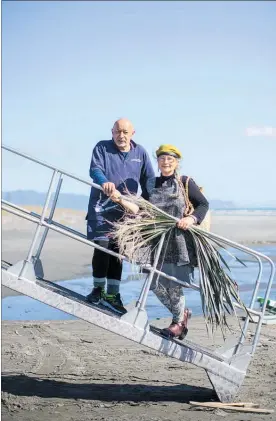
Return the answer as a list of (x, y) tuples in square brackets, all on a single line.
[(41, 222), (45, 164)]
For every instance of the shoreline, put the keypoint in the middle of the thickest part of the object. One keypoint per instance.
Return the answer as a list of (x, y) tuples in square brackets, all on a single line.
[(66, 259), (86, 273)]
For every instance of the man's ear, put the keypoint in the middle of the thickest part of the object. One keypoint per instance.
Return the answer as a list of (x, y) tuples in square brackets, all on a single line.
[(133, 132)]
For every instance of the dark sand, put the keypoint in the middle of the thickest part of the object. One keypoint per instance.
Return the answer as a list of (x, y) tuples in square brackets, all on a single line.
[(74, 371)]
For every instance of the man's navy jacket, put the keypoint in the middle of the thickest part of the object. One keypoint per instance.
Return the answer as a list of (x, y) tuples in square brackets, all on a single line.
[(126, 170)]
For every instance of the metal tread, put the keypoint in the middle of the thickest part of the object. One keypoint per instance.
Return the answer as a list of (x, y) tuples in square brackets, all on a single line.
[(75, 296), (66, 292), (188, 344)]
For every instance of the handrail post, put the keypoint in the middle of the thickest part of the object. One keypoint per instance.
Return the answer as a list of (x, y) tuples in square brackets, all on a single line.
[(138, 315), (246, 323), (145, 291), (39, 226), (267, 292), (50, 218)]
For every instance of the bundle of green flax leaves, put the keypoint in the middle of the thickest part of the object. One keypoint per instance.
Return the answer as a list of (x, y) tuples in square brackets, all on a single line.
[(218, 290)]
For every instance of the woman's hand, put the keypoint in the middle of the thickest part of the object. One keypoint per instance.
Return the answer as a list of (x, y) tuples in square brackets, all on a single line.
[(115, 196), (129, 207), (185, 222)]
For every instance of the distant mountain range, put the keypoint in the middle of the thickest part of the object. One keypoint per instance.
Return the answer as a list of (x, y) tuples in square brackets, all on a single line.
[(80, 202), (30, 197)]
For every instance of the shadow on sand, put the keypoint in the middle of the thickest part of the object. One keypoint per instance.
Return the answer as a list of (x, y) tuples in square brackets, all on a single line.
[(23, 385)]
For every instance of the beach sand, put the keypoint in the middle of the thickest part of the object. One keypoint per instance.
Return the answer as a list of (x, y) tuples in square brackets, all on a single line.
[(74, 371), (245, 227)]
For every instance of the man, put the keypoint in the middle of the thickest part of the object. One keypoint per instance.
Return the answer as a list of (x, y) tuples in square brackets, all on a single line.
[(116, 164)]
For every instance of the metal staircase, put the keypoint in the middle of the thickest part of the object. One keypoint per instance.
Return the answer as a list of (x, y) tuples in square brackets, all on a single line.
[(226, 366)]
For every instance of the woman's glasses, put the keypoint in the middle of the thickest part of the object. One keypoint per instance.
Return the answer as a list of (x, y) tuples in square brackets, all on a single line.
[(165, 158)]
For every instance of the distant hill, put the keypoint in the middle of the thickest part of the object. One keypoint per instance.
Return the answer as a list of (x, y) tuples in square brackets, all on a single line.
[(80, 202), (221, 204), (30, 197)]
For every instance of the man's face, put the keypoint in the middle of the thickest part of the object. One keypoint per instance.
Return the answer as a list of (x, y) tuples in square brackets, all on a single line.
[(122, 133)]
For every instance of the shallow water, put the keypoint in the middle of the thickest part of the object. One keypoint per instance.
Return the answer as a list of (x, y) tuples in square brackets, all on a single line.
[(26, 308)]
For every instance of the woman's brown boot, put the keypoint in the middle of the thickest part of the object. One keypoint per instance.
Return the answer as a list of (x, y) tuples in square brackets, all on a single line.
[(178, 330)]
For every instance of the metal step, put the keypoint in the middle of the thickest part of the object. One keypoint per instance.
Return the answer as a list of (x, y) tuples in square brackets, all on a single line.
[(189, 344), (74, 296)]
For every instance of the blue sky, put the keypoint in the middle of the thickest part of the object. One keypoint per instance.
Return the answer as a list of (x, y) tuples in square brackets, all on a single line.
[(195, 74)]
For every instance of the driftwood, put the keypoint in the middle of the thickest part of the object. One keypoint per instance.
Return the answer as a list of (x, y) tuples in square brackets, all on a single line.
[(239, 406)]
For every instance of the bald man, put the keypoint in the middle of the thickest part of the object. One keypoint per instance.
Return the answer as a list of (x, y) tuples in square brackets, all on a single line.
[(116, 164)]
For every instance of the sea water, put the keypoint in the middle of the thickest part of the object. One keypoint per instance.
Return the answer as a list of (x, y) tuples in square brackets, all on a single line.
[(25, 308)]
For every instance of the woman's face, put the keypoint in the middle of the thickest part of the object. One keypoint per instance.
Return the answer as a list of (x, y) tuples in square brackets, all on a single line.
[(167, 164)]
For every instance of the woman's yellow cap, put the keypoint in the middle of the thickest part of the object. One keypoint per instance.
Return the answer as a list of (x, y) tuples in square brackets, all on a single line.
[(168, 150)]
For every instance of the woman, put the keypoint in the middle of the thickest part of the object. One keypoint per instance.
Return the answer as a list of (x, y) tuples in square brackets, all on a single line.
[(178, 257)]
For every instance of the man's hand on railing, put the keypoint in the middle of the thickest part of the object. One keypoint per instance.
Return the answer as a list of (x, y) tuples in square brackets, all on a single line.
[(108, 188)]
